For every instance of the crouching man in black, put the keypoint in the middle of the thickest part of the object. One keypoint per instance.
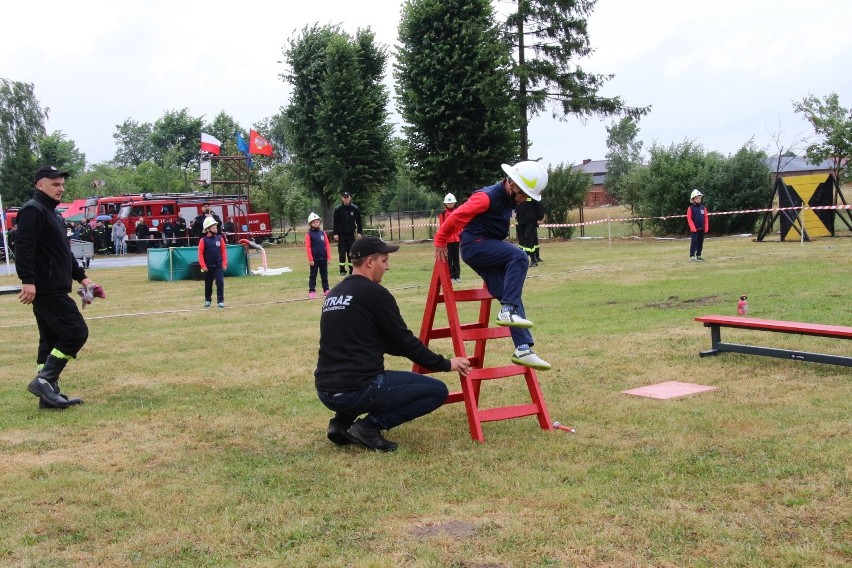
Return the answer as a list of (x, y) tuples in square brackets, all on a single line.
[(361, 322), (46, 268)]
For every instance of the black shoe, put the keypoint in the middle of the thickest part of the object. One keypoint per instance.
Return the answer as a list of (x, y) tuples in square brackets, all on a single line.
[(337, 431), (343, 273), (533, 264), (365, 432), (43, 389)]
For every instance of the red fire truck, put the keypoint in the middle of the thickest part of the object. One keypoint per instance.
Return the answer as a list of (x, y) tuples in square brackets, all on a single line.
[(155, 208)]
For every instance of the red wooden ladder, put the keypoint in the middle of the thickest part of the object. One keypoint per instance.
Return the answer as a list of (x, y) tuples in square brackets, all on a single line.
[(441, 292)]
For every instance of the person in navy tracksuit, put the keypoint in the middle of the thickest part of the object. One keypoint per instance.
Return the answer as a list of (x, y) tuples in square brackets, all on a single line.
[(503, 266), (213, 258), (699, 224), (318, 249)]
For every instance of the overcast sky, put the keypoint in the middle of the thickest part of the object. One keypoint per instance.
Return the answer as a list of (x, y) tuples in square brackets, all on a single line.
[(719, 73)]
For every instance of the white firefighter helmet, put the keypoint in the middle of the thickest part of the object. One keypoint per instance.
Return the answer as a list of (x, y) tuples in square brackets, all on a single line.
[(313, 217), (530, 176), (449, 199), (208, 222), (695, 193)]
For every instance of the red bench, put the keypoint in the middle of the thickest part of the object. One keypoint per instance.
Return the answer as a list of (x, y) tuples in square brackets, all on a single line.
[(715, 323)]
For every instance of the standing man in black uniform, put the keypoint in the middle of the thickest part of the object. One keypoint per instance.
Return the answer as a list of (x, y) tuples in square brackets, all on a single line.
[(528, 215), (197, 228), (46, 268), (346, 227)]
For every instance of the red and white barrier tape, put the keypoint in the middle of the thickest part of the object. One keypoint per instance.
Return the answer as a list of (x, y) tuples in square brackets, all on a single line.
[(661, 218), (666, 217)]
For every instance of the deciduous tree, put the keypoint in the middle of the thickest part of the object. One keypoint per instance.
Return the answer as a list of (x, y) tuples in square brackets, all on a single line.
[(20, 113), (16, 171), (624, 155), (336, 121), (133, 143), (567, 187), (454, 94), (833, 126)]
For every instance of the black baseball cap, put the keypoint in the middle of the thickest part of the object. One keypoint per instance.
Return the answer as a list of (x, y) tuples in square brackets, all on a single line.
[(49, 172), (346, 194), (366, 246)]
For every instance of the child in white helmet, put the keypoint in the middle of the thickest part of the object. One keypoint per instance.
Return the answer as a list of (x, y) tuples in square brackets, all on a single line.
[(453, 240), (318, 249), (699, 224), (213, 259), (485, 219)]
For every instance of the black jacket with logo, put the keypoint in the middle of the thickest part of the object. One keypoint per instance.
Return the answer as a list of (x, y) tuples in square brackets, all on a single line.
[(360, 322)]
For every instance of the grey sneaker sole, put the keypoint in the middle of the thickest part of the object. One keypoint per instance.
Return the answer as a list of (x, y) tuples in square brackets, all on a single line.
[(525, 325), (532, 361)]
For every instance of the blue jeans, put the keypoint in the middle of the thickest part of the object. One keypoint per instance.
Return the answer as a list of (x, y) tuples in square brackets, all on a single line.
[(394, 397), (503, 267)]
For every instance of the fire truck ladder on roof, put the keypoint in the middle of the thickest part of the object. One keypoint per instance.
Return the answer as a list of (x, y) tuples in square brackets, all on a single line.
[(479, 333)]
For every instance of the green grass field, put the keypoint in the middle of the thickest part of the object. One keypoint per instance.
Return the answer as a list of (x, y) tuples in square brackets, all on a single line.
[(202, 442)]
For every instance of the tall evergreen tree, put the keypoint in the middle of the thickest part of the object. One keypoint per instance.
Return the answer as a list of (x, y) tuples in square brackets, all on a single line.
[(336, 121), (454, 94), (548, 37)]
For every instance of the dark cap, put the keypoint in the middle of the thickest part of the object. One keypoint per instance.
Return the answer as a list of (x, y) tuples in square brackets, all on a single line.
[(346, 194), (49, 172), (366, 246)]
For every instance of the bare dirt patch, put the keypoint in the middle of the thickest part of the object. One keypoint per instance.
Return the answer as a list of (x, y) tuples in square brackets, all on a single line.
[(676, 302), (451, 528)]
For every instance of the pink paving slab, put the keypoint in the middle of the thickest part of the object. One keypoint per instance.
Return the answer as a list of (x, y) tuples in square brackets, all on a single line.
[(670, 389)]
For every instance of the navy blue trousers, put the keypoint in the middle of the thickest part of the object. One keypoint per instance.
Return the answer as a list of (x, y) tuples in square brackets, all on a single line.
[(503, 267)]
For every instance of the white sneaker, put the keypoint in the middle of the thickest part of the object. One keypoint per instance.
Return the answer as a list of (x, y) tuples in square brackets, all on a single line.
[(511, 318), (529, 359)]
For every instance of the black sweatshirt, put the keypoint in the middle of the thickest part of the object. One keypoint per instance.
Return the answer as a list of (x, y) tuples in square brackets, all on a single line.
[(42, 254), (361, 322)]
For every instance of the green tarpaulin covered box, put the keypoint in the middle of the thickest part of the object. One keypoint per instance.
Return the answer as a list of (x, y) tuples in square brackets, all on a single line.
[(174, 263)]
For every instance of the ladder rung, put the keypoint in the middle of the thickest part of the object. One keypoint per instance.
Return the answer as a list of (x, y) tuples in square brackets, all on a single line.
[(503, 413), (485, 333), (457, 396), (497, 372), (471, 295), (442, 332)]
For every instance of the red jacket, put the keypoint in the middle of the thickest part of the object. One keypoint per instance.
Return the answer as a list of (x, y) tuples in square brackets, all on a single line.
[(442, 218)]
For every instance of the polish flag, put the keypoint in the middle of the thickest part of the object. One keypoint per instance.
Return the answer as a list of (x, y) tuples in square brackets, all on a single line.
[(210, 144)]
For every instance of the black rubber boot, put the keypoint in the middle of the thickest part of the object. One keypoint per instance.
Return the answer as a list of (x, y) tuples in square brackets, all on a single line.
[(533, 261), (43, 385), (71, 402)]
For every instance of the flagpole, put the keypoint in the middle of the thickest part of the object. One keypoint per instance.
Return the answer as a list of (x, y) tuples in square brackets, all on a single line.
[(5, 238)]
